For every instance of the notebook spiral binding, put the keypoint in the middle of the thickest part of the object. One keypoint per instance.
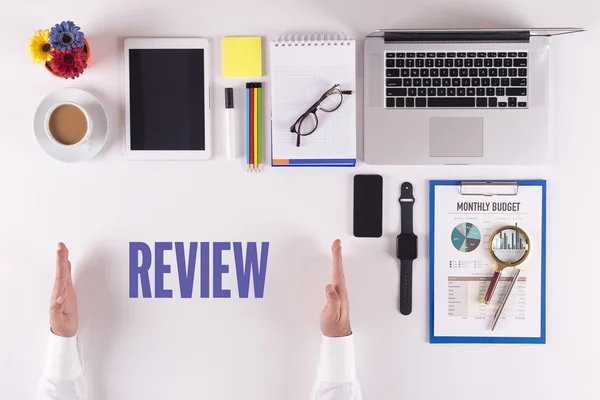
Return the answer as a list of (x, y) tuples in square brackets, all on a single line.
[(312, 39)]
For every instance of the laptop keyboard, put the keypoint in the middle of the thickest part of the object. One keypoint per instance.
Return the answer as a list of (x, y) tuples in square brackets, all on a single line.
[(456, 80)]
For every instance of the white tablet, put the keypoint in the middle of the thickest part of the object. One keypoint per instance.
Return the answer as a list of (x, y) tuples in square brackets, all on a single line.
[(167, 99)]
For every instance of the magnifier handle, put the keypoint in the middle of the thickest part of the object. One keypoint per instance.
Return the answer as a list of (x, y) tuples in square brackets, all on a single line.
[(492, 287)]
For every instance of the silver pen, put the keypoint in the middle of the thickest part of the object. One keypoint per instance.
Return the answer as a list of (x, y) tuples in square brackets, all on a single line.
[(498, 313)]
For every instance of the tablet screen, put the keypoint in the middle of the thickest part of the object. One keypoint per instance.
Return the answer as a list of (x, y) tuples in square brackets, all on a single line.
[(166, 89)]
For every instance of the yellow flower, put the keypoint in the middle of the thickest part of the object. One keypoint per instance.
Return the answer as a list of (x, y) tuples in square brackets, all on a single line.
[(39, 48)]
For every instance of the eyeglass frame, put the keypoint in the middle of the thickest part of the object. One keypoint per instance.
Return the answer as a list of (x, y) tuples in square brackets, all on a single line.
[(314, 108)]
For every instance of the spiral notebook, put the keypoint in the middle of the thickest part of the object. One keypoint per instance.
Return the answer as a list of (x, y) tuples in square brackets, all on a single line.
[(303, 67)]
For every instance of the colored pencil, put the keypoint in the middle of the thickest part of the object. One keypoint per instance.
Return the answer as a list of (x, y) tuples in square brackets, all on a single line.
[(252, 126), (260, 126), (255, 154), (247, 125)]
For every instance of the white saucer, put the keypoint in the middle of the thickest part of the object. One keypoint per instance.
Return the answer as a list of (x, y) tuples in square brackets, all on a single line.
[(77, 152)]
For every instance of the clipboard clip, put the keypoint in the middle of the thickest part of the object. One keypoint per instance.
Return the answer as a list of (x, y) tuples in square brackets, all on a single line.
[(488, 188)]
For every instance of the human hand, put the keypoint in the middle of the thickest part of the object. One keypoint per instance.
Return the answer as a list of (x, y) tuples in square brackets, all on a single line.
[(335, 318), (63, 303)]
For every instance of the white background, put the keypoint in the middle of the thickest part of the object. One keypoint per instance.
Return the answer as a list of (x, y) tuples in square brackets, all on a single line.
[(268, 349)]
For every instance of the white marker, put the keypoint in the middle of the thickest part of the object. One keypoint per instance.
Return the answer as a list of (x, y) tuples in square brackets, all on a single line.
[(230, 131)]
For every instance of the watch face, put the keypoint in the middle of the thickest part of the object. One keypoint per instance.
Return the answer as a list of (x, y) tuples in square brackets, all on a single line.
[(406, 247)]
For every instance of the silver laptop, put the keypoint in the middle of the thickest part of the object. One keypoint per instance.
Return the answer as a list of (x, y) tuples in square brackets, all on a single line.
[(457, 97)]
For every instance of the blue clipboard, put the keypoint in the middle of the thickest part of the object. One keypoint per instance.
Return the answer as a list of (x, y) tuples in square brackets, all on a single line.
[(482, 339)]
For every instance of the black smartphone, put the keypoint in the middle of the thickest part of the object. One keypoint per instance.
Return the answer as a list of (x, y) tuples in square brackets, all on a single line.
[(368, 205)]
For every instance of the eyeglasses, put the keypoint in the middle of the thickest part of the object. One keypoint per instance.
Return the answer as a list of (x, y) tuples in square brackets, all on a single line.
[(308, 122)]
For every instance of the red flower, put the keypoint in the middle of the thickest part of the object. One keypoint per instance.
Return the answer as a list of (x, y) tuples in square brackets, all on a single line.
[(68, 63)]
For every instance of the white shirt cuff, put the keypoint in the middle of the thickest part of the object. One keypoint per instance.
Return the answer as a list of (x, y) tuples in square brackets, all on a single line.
[(337, 360), (62, 359)]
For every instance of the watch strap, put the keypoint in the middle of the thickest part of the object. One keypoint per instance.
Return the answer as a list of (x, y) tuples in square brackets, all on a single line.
[(406, 271), (407, 201)]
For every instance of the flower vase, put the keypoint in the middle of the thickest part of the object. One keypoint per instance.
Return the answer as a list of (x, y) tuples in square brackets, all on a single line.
[(86, 49)]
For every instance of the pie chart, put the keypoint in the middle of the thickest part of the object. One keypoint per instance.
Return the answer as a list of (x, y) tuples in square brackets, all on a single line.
[(466, 237)]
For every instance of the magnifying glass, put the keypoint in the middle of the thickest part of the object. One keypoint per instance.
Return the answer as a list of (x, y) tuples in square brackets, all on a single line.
[(509, 247)]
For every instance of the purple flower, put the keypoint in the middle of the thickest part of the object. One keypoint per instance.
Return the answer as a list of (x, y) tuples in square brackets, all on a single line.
[(66, 36)]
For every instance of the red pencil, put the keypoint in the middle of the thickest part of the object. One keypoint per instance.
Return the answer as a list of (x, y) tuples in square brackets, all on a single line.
[(252, 144)]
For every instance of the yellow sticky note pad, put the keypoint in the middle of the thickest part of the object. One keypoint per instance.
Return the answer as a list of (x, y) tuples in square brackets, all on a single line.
[(242, 56)]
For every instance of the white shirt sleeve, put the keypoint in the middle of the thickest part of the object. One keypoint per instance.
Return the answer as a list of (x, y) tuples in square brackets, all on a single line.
[(63, 377), (336, 379)]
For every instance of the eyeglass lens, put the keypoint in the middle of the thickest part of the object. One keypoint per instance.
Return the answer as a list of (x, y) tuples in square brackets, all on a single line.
[(332, 102), (309, 123)]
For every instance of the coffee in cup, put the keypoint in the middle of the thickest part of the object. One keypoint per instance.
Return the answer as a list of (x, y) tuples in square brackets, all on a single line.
[(68, 124)]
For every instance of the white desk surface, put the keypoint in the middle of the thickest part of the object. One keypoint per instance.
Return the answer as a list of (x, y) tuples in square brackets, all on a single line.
[(267, 349)]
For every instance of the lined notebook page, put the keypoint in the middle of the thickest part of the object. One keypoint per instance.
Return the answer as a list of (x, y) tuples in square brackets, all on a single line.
[(300, 74)]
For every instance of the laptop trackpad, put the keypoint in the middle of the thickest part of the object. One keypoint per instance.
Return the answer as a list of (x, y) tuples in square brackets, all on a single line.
[(456, 137)]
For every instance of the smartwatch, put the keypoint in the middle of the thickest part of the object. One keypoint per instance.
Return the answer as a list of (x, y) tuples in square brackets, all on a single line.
[(406, 247)]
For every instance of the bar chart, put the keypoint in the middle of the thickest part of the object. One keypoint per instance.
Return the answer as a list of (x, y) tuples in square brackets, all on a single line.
[(509, 239)]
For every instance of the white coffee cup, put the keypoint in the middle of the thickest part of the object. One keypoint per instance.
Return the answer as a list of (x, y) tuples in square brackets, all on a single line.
[(84, 141)]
